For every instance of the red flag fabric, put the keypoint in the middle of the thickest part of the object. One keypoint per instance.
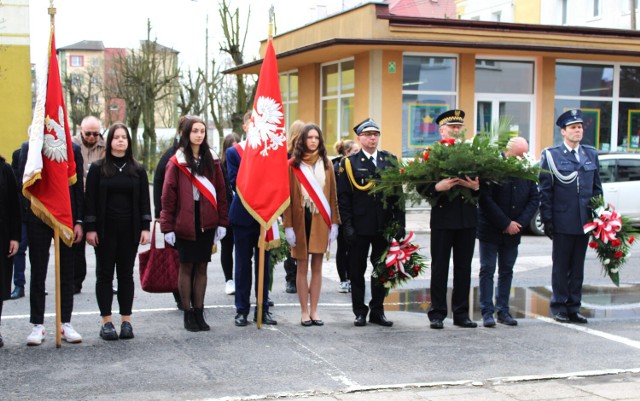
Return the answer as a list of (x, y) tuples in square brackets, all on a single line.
[(263, 179), (50, 167)]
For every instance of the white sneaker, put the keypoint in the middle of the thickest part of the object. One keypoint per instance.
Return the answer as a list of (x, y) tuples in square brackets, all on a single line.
[(344, 287), (37, 335), (230, 287), (69, 334)]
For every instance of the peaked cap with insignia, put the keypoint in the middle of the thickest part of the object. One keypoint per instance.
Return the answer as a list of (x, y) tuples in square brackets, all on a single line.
[(450, 117)]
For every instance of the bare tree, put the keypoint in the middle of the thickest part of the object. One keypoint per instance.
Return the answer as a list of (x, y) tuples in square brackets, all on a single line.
[(190, 94), (235, 38), (145, 79), (83, 90)]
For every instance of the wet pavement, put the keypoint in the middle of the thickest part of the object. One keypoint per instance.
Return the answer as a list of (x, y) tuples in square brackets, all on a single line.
[(539, 359)]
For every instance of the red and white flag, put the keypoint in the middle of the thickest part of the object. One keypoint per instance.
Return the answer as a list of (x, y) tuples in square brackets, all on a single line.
[(263, 180), (50, 167)]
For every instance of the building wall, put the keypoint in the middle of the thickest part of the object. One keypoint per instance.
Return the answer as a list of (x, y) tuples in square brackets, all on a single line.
[(15, 76), (526, 11)]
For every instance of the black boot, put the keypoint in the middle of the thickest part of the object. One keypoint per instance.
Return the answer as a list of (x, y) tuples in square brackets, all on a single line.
[(190, 322), (200, 320)]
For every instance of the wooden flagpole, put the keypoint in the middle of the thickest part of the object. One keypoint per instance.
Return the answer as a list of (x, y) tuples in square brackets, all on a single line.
[(261, 246), (56, 233), (56, 240)]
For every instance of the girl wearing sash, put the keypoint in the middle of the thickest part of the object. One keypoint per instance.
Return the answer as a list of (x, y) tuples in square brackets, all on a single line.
[(194, 215), (311, 220), (117, 219)]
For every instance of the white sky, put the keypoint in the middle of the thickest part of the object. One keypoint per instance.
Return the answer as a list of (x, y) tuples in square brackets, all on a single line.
[(179, 24)]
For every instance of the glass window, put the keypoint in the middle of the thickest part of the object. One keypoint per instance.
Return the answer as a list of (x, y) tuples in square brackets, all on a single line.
[(499, 76), (429, 73), (76, 61), (289, 94), (597, 121), (584, 80), (629, 126), (607, 170), (628, 170), (338, 87), (597, 8), (429, 87), (629, 81)]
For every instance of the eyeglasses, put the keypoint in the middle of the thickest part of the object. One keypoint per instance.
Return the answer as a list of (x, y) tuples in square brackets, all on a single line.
[(370, 133), (89, 133)]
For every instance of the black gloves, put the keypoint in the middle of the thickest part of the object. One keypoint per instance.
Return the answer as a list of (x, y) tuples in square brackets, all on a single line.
[(349, 232), (548, 229)]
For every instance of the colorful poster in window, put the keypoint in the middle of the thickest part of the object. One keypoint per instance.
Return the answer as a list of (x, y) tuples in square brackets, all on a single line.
[(423, 129), (591, 127), (633, 130)]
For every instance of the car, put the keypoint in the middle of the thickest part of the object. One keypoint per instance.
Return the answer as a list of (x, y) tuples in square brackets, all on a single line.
[(620, 176)]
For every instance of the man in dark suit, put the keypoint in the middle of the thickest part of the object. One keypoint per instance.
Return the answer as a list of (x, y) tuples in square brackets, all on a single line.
[(39, 236), (453, 227), (19, 261), (565, 198), (504, 211), (246, 231), (364, 218)]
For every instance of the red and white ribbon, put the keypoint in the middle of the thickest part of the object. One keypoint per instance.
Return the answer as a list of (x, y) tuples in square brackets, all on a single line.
[(310, 183), (400, 253), (201, 182), (605, 226)]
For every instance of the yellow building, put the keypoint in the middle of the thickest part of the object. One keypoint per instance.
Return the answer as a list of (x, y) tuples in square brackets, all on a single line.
[(404, 70), (15, 76)]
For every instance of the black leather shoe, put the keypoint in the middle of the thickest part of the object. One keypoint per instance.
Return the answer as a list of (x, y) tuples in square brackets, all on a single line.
[(577, 318), (381, 320), (488, 321), (436, 324), (241, 320), (126, 331), (505, 318), (108, 332), (361, 320), (561, 317), (291, 287), (317, 322), (77, 289), (306, 323), (266, 319), (18, 292), (466, 323)]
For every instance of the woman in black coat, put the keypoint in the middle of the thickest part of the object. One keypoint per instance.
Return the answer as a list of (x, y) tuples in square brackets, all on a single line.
[(10, 229), (117, 220)]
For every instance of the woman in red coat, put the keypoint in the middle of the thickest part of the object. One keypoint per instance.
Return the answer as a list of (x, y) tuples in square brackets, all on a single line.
[(194, 214)]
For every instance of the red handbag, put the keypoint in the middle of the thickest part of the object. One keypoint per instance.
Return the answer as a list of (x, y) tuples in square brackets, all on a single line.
[(159, 267)]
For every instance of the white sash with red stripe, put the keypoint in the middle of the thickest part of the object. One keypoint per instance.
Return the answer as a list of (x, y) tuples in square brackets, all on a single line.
[(201, 182), (311, 184)]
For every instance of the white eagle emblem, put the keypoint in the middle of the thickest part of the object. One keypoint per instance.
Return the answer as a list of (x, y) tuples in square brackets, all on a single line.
[(55, 149), (264, 128)]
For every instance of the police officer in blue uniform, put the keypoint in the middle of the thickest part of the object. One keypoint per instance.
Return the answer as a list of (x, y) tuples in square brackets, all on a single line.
[(364, 217), (565, 197)]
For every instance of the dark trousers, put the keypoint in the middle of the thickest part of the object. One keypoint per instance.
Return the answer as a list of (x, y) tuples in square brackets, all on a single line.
[(20, 260), (506, 256), (290, 269), (116, 251), (246, 247), (39, 236), (568, 272), (80, 263), (358, 265), (462, 242), (342, 256), (226, 254)]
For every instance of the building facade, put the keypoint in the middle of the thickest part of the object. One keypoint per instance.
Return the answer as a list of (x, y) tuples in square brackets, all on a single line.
[(15, 76), (404, 70)]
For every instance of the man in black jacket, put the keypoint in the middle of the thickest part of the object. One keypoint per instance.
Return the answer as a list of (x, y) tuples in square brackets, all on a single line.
[(364, 218), (505, 210), (19, 261), (39, 236)]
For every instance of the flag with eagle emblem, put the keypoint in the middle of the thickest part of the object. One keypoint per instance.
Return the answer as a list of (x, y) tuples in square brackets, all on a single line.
[(263, 179), (50, 166)]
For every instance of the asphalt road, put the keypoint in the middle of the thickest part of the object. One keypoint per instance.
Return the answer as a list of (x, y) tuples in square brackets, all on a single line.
[(165, 362)]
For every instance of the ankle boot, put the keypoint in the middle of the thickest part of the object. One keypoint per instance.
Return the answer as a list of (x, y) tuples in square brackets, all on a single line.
[(190, 322), (199, 313)]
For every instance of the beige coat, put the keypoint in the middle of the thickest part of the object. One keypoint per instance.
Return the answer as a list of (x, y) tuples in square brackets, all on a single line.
[(294, 216)]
